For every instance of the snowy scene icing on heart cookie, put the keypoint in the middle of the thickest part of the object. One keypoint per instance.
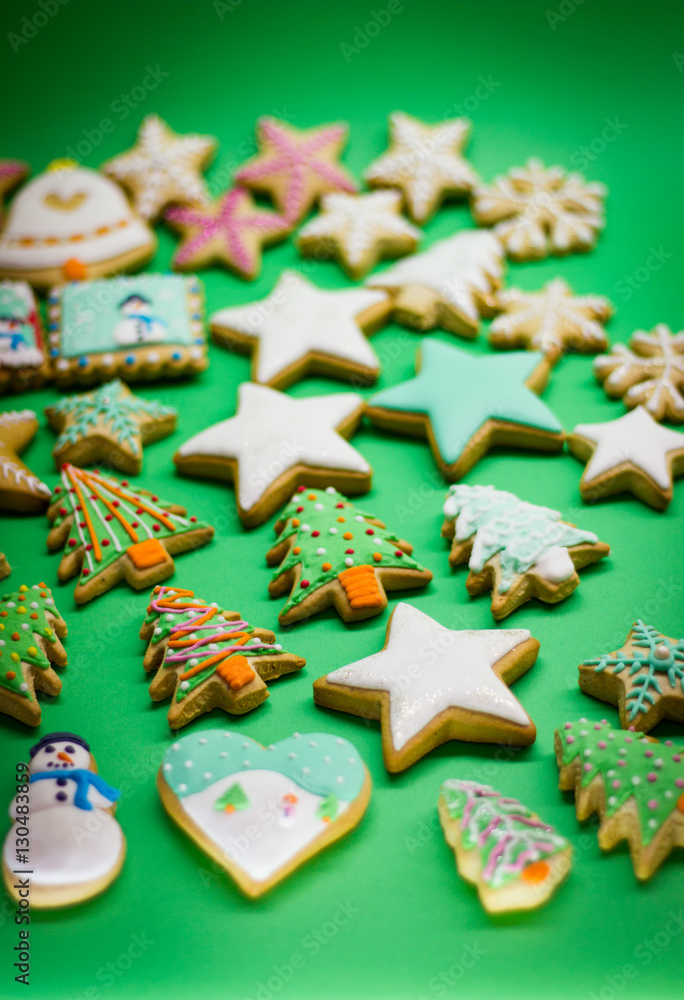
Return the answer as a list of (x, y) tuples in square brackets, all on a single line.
[(261, 812)]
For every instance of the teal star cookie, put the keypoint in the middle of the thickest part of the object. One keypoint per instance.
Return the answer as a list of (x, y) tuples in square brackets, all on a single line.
[(465, 405)]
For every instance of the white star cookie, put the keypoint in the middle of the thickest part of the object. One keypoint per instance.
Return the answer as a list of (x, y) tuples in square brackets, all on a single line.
[(430, 684), (358, 230), (449, 285), (633, 454), (300, 329), (425, 162), (275, 443), (163, 167), (552, 321)]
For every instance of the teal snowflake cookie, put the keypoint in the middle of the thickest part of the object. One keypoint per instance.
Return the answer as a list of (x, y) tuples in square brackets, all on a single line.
[(645, 678), (516, 861), (633, 782), (465, 405), (108, 425)]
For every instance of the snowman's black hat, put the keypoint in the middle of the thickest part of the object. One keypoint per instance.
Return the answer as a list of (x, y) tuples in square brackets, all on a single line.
[(134, 298), (58, 738)]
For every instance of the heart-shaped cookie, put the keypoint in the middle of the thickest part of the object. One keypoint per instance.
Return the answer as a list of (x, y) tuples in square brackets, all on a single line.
[(260, 812), (55, 200)]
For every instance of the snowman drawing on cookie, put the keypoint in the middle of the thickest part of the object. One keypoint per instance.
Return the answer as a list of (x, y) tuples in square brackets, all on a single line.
[(139, 325), (75, 846)]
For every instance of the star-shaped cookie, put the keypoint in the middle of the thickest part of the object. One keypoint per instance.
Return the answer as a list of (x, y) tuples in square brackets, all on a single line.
[(449, 285), (425, 162), (19, 488), (645, 679), (358, 230), (633, 454), (466, 405), (275, 443), (163, 168), (231, 231), (300, 329), (108, 425), (552, 320), (430, 684), (295, 167)]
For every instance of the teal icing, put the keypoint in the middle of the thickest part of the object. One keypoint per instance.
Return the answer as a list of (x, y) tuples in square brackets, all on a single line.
[(460, 392), (319, 760)]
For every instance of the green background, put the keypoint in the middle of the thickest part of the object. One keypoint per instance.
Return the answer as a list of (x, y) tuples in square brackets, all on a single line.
[(383, 913)]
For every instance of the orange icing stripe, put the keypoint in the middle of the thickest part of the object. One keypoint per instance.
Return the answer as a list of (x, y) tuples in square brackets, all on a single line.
[(130, 531), (213, 659), (97, 551), (136, 502), (178, 643)]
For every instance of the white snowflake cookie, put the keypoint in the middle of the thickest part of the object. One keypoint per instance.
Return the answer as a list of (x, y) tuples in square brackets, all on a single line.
[(650, 372)]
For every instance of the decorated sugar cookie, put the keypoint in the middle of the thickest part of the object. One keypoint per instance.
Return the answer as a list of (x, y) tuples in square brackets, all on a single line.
[(300, 329), (517, 550), (430, 684), (163, 168), (296, 167), (632, 454), (145, 327), (538, 210), (516, 861), (358, 230), (77, 848), (12, 173), (552, 321), (31, 628), (108, 425), (425, 162), (5, 568), (649, 373), (206, 657), (111, 531), (261, 812), (23, 358), (634, 783), (231, 231), (72, 223), (19, 489), (645, 678), (449, 285), (275, 443), (331, 553), (465, 405)]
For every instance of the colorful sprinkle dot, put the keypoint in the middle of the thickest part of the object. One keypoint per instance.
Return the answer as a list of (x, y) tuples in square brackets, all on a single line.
[(296, 550), (377, 556), (326, 567), (304, 584), (652, 803)]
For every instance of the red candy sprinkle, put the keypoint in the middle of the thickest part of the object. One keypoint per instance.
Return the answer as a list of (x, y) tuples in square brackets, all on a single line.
[(81, 524), (154, 498), (349, 552), (398, 552), (369, 531), (156, 527), (116, 503), (88, 547), (72, 541), (339, 505), (299, 510), (108, 517), (139, 510), (134, 524), (124, 482), (304, 583), (300, 489), (193, 519), (58, 489), (105, 541), (85, 571), (315, 534), (62, 511)]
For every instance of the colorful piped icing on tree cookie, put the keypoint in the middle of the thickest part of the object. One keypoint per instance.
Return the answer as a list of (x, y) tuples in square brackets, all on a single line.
[(516, 861), (111, 531), (645, 678), (109, 424), (331, 553), (206, 657), (516, 549), (635, 783), (260, 812), (30, 631), (295, 167)]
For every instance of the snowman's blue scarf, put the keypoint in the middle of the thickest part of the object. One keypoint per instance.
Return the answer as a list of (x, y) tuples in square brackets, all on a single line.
[(84, 779)]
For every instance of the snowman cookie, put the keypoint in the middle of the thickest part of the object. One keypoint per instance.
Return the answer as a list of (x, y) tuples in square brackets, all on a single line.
[(77, 848), (23, 357), (72, 223), (145, 327), (261, 812)]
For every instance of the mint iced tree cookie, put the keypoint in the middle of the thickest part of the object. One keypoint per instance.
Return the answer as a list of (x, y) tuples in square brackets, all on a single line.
[(466, 405), (517, 550), (514, 859), (634, 783), (644, 678), (31, 628), (108, 425), (206, 657), (330, 553), (110, 532), (430, 684), (261, 812)]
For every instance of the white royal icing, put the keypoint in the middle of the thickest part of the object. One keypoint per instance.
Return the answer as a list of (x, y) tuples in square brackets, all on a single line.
[(272, 432), (298, 318), (427, 668), (635, 437)]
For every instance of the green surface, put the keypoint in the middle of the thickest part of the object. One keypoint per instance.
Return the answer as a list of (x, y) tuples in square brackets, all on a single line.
[(383, 913)]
